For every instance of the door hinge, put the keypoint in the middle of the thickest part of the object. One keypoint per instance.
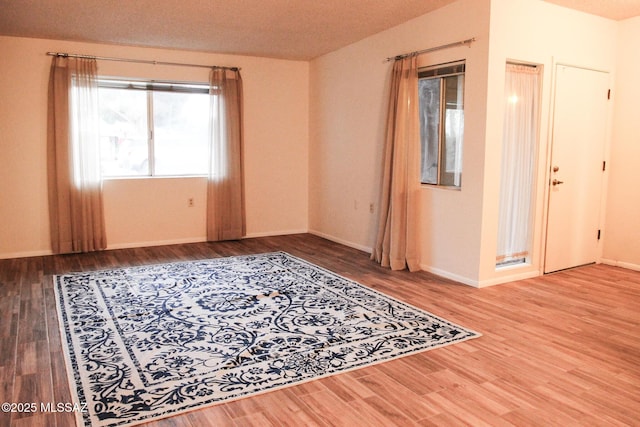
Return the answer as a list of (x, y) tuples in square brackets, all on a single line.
[(609, 94), (598, 234), (604, 166)]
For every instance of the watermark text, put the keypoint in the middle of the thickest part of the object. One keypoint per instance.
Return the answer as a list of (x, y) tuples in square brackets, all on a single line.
[(43, 407)]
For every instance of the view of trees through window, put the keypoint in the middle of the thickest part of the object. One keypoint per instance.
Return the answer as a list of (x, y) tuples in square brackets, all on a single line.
[(147, 132), (441, 98)]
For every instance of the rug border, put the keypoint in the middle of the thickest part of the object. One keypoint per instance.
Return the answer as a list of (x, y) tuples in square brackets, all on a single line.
[(66, 349), (79, 417)]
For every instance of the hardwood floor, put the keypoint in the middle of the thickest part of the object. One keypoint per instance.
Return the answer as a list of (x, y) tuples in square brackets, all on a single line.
[(562, 349)]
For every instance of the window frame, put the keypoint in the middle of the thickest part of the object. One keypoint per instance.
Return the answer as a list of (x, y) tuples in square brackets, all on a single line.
[(149, 86), (442, 72)]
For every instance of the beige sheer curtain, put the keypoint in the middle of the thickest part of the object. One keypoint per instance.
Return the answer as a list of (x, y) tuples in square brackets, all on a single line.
[(75, 184), (225, 187), (398, 240), (519, 145)]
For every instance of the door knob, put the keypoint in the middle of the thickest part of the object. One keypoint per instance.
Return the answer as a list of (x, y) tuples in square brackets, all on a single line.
[(556, 182)]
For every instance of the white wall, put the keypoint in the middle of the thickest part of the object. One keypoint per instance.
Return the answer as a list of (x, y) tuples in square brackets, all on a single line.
[(349, 93), (153, 211), (314, 134), (541, 33), (622, 231)]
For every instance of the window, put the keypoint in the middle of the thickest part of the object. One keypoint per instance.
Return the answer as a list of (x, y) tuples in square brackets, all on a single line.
[(150, 128), (441, 99), (517, 176)]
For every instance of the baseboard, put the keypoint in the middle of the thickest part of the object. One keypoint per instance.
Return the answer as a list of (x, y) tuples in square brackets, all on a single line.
[(156, 243), (450, 276), (274, 233), (109, 247), (199, 239), (26, 254), (341, 241), (622, 264), (151, 243), (482, 283), (508, 279)]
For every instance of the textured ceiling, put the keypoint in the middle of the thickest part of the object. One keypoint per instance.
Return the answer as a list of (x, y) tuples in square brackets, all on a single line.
[(292, 29), (612, 9)]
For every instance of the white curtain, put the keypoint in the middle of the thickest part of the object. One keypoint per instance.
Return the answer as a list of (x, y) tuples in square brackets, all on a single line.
[(518, 162), (75, 183), (398, 239), (225, 186)]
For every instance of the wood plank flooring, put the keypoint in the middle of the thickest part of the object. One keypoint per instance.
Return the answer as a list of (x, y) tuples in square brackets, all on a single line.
[(559, 350)]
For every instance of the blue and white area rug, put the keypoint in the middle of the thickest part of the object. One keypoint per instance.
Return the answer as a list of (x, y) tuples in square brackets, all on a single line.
[(153, 341)]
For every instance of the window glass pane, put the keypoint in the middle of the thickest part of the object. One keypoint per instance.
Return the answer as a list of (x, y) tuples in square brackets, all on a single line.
[(124, 147), (451, 172), (429, 100), (181, 133)]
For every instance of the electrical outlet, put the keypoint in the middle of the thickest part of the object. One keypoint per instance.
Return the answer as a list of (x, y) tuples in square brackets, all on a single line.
[(370, 207), (190, 202)]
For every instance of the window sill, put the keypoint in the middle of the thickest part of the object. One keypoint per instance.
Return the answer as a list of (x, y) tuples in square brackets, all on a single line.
[(441, 187), (123, 178), (516, 266)]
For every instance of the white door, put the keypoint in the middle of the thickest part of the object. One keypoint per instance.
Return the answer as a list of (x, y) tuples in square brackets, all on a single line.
[(578, 141)]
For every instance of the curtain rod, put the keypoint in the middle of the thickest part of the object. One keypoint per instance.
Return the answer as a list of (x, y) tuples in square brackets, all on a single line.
[(139, 61), (431, 49)]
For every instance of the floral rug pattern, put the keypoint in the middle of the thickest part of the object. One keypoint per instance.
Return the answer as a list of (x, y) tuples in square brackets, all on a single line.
[(152, 341)]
